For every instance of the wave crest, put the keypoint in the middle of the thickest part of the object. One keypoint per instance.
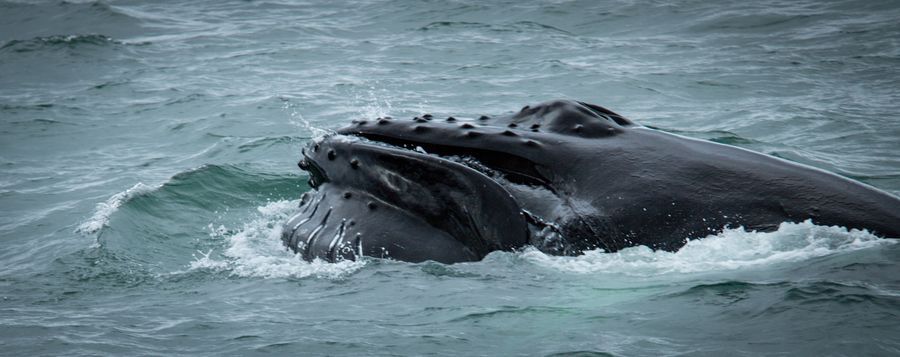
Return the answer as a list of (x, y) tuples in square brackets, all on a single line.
[(104, 210), (38, 43)]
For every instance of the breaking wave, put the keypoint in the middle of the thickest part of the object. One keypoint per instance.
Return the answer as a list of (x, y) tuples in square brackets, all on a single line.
[(104, 210)]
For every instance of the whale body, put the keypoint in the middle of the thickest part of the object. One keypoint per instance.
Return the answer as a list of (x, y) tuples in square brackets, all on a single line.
[(562, 176)]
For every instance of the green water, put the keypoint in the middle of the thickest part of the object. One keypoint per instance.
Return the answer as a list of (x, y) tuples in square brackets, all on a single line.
[(148, 159)]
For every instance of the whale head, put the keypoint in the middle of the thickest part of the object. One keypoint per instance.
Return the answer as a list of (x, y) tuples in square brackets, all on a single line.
[(445, 189)]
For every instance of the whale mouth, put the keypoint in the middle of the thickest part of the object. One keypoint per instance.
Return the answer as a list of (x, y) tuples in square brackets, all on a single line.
[(489, 150), (517, 174), (383, 195), (492, 163)]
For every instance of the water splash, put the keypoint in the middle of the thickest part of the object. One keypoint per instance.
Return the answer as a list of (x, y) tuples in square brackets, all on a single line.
[(255, 250), (299, 121), (104, 210), (374, 103), (729, 250)]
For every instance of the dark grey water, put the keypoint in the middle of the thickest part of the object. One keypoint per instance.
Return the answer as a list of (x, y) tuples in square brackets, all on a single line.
[(148, 151)]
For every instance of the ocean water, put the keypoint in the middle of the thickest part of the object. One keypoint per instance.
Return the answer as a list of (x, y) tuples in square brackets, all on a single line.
[(148, 159)]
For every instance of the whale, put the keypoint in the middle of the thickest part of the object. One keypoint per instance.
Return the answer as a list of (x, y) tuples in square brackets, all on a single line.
[(561, 176)]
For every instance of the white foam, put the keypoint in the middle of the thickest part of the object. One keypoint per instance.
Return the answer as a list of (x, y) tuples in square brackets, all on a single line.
[(731, 249), (104, 210), (256, 250)]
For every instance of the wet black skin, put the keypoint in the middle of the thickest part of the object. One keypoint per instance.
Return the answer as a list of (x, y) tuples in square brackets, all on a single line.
[(562, 176)]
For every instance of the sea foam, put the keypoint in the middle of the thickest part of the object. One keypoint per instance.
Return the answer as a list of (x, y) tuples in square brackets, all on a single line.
[(732, 249), (256, 250)]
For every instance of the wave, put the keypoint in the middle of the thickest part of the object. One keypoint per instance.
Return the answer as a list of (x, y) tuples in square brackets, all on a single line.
[(68, 41), (516, 27), (730, 250), (204, 188), (104, 210), (771, 21), (45, 19), (439, 25)]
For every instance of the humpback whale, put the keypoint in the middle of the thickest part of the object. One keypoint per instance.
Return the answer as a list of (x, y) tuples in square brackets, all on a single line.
[(562, 176)]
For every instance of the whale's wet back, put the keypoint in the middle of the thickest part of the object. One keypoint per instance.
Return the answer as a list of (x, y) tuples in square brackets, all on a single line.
[(562, 176)]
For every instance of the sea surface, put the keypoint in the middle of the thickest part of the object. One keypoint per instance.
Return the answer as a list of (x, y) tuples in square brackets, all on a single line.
[(148, 156)]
